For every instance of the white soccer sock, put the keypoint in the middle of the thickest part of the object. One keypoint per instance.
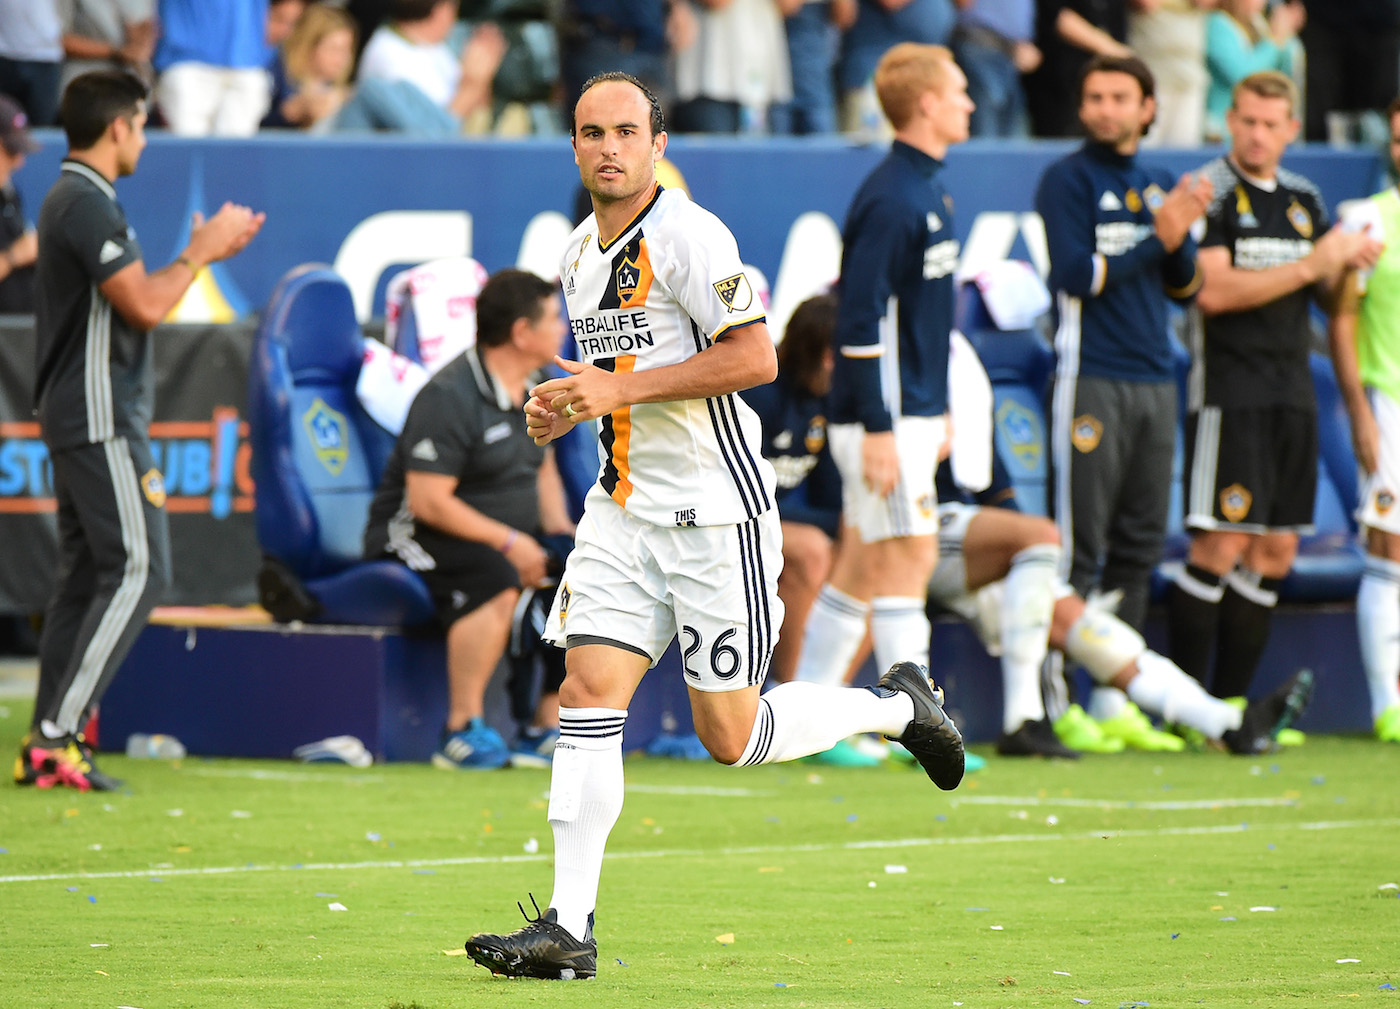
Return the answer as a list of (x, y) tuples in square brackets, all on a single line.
[(1027, 606), (1378, 623), (835, 628), (1105, 702), (1161, 688), (585, 798), (798, 719), (901, 631)]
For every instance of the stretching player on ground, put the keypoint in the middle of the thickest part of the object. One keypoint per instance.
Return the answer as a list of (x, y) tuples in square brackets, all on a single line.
[(679, 534)]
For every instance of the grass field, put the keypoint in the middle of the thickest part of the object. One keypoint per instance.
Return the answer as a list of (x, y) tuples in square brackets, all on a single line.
[(1179, 880)]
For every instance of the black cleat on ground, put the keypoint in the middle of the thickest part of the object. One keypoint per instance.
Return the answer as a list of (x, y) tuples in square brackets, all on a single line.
[(542, 949), (931, 737), (1034, 739), (1266, 717)]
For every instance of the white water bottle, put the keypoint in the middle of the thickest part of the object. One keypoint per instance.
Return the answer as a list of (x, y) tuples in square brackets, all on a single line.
[(156, 746)]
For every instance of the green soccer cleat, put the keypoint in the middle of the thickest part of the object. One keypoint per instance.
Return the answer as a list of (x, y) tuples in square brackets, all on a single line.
[(1080, 732), (1137, 732), (1388, 725)]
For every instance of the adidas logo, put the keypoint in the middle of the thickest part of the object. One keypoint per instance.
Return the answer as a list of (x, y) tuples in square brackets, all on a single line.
[(783, 442), (110, 251), (425, 450), (1110, 202), (935, 223)]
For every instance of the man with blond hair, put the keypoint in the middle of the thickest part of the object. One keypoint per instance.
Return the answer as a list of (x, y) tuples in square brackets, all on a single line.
[(889, 390), (1266, 254)]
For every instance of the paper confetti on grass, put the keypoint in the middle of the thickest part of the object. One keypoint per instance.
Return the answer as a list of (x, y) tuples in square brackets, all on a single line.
[(727, 939), (1349, 959), (454, 952), (336, 906), (1263, 907), (892, 869)]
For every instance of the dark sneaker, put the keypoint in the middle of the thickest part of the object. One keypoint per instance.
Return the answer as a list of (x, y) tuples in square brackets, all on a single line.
[(1266, 717), (66, 765), (931, 737), (1034, 739), (543, 949)]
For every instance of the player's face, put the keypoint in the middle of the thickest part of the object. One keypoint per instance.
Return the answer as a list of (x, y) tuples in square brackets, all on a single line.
[(1260, 129), (1113, 108), (613, 146), (131, 140), (951, 107)]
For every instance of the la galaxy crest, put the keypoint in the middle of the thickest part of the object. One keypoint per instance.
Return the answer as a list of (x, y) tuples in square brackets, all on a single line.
[(1020, 430), (1385, 501), (1086, 432), (1300, 219), (329, 434), (816, 435), (153, 486), (735, 292), (1235, 501)]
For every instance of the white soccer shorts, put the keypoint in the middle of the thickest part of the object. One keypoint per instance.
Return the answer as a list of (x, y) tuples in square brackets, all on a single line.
[(1380, 491), (911, 509), (636, 586)]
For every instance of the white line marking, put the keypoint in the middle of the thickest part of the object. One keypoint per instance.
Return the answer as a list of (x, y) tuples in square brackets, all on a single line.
[(776, 849), (1011, 800), (257, 774), (735, 793)]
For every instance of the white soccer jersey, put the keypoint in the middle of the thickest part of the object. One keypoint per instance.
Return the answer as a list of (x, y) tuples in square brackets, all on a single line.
[(658, 294)]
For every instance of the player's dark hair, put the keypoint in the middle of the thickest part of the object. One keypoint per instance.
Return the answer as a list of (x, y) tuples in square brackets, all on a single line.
[(1130, 65), (411, 10), (806, 341), (510, 294), (658, 120), (93, 101), (1392, 110)]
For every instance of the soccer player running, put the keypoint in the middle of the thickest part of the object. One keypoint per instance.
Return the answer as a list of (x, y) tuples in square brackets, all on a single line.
[(1119, 244), (679, 535), (94, 388), (1266, 254), (1365, 337), (889, 391)]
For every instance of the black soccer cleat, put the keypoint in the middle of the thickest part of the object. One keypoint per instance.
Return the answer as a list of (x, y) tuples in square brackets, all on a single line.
[(542, 949), (1034, 739), (1265, 718), (931, 737)]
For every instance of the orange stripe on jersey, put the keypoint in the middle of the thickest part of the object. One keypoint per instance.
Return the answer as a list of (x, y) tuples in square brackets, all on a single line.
[(642, 265), (621, 419)]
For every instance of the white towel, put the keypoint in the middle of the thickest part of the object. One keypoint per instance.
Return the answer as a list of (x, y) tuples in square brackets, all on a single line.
[(970, 411), (1357, 216), (387, 384), (443, 293)]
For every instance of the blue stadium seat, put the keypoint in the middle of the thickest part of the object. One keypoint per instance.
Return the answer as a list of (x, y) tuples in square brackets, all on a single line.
[(317, 458)]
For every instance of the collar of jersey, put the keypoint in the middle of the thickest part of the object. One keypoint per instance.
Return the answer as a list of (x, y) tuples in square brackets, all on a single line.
[(925, 163), (1107, 152), (487, 383), (605, 246), (91, 174), (1263, 185)]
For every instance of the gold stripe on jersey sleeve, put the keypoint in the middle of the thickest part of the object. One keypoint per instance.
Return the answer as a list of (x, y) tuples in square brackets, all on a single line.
[(622, 437)]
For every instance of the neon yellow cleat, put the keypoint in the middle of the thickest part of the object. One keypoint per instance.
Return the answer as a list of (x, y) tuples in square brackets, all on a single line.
[(1135, 730), (1388, 725), (1080, 732)]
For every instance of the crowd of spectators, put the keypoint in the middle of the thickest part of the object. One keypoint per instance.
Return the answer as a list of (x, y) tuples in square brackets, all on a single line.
[(434, 68)]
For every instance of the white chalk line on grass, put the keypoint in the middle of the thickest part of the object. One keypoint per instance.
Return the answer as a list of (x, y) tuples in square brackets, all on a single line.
[(350, 778), (775, 849), (1011, 800)]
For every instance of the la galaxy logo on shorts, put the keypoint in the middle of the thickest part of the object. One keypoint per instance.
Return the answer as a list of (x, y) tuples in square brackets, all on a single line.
[(329, 434), (1298, 217), (735, 292), (1085, 433), (1234, 502), (1385, 501), (153, 486), (564, 596)]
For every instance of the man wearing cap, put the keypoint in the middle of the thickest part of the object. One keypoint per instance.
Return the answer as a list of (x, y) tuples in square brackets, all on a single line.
[(19, 247)]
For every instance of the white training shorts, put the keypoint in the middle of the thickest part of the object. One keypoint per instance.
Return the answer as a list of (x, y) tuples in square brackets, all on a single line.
[(1380, 491), (636, 586), (911, 509)]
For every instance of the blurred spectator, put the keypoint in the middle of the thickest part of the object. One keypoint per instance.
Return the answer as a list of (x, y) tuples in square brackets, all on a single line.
[(1353, 49), (879, 25), (813, 29), (993, 46), (368, 15), (735, 71), (312, 73), (31, 53), (1170, 37), (634, 36), (108, 35), (212, 60), (19, 247), (1242, 40), (1069, 32), (411, 81), (282, 17)]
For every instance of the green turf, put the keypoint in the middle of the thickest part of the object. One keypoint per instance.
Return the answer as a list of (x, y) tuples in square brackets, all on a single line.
[(1135, 903)]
